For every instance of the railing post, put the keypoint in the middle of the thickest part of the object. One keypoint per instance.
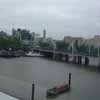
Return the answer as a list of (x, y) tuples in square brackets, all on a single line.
[(69, 79), (33, 91)]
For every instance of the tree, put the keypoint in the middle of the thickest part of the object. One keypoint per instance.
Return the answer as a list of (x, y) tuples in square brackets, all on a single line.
[(61, 45), (14, 43), (82, 49)]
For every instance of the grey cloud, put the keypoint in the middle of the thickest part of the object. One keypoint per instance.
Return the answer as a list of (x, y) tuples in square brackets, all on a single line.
[(75, 17)]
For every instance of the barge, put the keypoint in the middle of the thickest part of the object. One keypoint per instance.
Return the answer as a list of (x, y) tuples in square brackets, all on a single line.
[(57, 90)]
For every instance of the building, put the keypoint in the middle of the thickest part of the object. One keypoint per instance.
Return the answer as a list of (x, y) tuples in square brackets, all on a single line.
[(44, 34), (24, 35), (95, 41), (3, 34), (70, 40)]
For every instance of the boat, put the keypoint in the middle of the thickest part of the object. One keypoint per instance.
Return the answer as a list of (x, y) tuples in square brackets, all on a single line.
[(30, 54), (57, 90)]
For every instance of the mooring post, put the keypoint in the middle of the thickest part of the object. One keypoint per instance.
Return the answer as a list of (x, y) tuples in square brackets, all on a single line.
[(69, 79), (33, 90)]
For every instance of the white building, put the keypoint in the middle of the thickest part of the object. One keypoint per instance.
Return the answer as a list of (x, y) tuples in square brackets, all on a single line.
[(95, 41), (70, 40)]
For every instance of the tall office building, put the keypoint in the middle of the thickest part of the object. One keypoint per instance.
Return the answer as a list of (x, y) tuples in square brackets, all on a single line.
[(44, 34)]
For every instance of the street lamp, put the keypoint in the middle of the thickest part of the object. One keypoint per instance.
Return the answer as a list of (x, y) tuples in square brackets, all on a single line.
[(98, 51), (72, 48), (89, 50)]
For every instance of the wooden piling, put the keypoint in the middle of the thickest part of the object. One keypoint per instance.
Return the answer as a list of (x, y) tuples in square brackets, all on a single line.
[(33, 91), (69, 81)]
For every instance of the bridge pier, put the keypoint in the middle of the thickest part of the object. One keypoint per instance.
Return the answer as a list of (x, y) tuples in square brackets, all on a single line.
[(75, 60), (66, 58), (86, 61), (63, 58), (79, 59)]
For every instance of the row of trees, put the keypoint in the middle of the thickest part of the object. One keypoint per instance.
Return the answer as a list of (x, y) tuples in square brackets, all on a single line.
[(11, 42), (84, 49)]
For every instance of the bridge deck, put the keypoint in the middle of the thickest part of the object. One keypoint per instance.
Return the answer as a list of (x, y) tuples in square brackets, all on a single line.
[(65, 53)]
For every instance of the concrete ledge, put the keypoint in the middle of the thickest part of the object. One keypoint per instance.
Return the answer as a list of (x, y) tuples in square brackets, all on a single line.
[(4, 96)]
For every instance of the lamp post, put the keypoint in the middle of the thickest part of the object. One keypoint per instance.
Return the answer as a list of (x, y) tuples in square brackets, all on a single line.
[(89, 50), (54, 48), (72, 49), (98, 52), (33, 91)]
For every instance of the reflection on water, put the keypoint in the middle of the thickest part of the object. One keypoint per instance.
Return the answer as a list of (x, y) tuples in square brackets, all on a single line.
[(17, 75), (16, 88)]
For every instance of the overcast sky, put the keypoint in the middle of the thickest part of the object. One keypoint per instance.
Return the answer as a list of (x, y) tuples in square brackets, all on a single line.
[(58, 17)]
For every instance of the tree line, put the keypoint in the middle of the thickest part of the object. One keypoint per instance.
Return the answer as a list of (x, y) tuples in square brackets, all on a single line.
[(13, 43)]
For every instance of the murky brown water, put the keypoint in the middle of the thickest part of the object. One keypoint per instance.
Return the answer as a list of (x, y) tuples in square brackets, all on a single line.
[(17, 74)]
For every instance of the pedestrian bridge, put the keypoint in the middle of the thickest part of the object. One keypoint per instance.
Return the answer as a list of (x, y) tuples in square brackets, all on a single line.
[(76, 58)]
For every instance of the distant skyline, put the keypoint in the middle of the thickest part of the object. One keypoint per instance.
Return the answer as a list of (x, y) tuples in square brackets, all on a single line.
[(80, 18)]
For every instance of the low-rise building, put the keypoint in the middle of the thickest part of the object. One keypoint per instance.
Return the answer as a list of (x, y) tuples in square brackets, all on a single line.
[(70, 40), (95, 41), (24, 35)]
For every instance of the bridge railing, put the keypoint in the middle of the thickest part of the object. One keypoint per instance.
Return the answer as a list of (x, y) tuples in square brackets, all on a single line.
[(69, 51)]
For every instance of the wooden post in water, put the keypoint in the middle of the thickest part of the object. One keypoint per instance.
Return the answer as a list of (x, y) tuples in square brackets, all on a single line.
[(33, 90), (69, 80)]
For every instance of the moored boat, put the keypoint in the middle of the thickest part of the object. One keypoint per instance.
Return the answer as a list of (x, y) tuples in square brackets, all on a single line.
[(55, 91)]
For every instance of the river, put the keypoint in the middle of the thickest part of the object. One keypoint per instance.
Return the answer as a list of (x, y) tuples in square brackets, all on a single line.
[(17, 75)]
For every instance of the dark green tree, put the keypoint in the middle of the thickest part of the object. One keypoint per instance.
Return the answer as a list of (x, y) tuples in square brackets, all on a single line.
[(61, 45)]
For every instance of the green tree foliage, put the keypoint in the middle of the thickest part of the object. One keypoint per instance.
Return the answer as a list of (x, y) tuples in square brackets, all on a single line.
[(62, 45), (6, 43), (43, 44), (82, 48)]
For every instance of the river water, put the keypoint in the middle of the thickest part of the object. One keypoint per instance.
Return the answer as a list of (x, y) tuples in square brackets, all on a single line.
[(17, 75)]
